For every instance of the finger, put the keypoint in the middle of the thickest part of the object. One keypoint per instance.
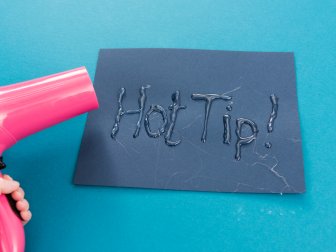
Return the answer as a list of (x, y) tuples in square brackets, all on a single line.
[(7, 186), (22, 205), (26, 216), (18, 194), (7, 177)]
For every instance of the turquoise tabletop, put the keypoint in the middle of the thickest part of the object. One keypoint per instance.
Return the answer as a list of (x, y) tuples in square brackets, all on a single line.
[(38, 38)]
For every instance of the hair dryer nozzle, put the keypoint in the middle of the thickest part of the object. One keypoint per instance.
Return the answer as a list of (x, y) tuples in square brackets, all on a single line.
[(34, 105)]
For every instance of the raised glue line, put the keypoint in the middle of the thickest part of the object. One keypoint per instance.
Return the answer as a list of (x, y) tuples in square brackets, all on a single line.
[(161, 130), (208, 98), (174, 108), (274, 99), (121, 111), (244, 140), (227, 129)]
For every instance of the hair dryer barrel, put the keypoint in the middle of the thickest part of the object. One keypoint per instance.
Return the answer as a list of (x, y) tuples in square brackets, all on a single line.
[(34, 105)]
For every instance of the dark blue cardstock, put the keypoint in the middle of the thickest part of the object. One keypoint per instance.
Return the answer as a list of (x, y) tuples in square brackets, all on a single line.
[(194, 120)]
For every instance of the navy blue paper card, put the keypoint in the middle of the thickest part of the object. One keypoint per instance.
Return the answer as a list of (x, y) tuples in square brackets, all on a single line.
[(194, 120)]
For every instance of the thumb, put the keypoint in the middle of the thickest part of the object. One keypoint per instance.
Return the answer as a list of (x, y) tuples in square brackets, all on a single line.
[(8, 186), (7, 177)]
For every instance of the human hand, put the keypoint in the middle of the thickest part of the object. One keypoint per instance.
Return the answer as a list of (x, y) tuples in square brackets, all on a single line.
[(10, 186)]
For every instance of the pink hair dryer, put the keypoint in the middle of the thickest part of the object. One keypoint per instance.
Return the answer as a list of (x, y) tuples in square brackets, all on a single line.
[(31, 106)]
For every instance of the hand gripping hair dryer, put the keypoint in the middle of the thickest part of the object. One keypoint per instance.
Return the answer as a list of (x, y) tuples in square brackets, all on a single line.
[(31, 106)]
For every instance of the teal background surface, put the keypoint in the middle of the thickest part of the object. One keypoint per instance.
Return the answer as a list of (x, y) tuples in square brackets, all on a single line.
[(44, 37)]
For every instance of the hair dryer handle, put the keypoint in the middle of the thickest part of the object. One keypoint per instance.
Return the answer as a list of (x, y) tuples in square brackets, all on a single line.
[(12, 237), (12, 203)]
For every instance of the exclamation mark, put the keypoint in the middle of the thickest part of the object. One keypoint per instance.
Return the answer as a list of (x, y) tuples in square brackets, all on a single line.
[(270, 125)]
